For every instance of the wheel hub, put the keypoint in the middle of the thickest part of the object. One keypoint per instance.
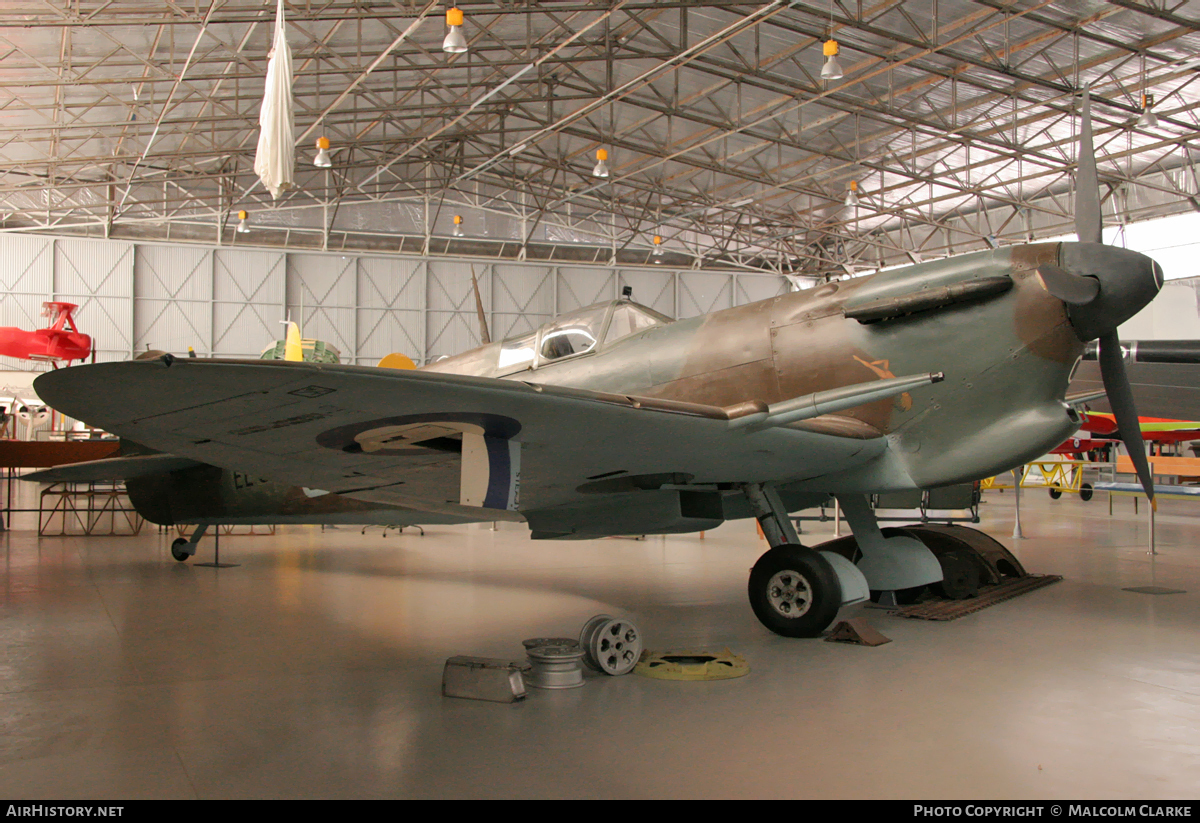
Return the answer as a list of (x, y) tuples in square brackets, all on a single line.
[(789, 593)]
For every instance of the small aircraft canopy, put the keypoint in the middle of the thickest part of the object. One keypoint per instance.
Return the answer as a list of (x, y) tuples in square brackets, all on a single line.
[(576, 333), (573, 334), (630, 318)]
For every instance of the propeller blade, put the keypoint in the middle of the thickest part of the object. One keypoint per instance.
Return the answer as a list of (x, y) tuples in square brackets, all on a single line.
[(1067, 286), (1087, 183), (1120, 398)]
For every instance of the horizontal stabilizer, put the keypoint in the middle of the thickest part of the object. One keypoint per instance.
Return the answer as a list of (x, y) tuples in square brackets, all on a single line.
[(112, 469)]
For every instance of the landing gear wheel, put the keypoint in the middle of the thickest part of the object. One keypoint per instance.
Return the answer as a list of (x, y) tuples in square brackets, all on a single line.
[(177, 550), (610, 645), (794, 591), (1086, 491), (1055, 494)]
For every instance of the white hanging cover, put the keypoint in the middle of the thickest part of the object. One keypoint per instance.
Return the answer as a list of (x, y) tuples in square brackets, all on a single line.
[(276, 156)]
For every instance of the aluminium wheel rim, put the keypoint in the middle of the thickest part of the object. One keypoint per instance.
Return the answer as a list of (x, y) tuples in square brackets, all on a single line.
[(789, 594)]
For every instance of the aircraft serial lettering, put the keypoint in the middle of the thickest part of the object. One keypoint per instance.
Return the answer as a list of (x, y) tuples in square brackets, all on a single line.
[(245, 481)]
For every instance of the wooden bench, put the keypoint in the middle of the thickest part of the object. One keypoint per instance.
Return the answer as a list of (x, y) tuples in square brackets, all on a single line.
[(1185, 468)]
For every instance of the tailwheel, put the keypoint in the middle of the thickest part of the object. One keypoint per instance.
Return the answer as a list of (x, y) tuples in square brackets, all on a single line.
[(794, 591), (178, 550)]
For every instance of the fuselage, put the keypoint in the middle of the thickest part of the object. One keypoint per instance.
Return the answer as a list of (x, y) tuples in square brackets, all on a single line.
[(1007, 358), (988, 321)]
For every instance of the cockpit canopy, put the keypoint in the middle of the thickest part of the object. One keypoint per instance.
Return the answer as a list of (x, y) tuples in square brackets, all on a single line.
[(577, 333)]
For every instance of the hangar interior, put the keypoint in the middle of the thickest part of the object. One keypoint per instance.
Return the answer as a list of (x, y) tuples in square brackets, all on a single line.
[(706, 155)]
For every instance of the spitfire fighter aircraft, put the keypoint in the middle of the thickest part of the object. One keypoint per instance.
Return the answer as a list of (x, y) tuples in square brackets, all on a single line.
[(615, 420)]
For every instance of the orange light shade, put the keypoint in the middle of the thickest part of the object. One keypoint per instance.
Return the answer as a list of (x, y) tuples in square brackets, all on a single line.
[(830, 48), (601, 154), (457, 219), (454, 16), (242, 215), (853, 185), (657, 240), (322, 142)]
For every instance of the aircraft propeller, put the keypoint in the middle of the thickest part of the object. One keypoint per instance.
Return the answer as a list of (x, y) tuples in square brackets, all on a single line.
[(1080, 291), (1098, 303)]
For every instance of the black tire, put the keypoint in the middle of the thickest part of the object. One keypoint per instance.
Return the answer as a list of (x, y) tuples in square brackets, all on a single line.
[(904, 597), (177, 549), (794, 591), (1055, 494), (1086, 492)]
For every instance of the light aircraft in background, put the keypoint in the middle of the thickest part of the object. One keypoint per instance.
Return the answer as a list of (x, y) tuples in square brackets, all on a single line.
[(59, 342)]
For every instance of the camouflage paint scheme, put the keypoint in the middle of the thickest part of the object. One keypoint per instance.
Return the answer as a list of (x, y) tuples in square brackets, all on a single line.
[(599, 461), (801, 342)]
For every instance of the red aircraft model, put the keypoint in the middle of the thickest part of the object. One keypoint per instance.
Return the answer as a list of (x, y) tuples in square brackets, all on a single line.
[(60, 341)]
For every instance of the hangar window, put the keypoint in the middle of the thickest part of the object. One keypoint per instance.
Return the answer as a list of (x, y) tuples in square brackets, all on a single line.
[(572, 335)]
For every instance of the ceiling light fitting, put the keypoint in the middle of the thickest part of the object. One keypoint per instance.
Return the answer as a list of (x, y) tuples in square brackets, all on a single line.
[(832, 70), (601, 169), (1148, 120), (243, 226), (658, 252), (852, 194), (455, 42), (458, 229), (322, 161)]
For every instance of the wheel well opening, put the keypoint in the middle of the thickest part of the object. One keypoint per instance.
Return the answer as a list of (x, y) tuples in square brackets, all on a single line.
[(1006, 569)]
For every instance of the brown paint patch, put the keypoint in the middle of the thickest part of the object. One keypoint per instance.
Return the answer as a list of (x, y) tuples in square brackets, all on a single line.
[(818, 355), (839, 426), (1027, 258), (726, 387), (730, 338), (1041, 322)]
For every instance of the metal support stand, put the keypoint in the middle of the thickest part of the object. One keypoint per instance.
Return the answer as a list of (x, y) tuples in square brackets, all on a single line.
[(217, 564), (8, 496), (1019, 474), (1153, 549), (837, 517)]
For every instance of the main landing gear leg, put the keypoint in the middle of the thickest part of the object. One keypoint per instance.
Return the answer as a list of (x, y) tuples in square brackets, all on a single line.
[(794, 591), (896, 568)]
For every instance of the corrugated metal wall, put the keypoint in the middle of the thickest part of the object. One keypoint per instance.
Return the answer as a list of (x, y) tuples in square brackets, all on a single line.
[(229, 302)]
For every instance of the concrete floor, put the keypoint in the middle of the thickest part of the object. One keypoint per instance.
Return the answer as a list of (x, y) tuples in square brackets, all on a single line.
[(313, 670)]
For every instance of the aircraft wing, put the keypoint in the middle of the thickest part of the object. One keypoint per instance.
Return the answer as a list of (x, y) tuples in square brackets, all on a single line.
[(112, 469), (443, 442)]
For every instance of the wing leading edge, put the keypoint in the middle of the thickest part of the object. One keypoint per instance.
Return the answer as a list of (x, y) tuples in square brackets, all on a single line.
[(419, 439)]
